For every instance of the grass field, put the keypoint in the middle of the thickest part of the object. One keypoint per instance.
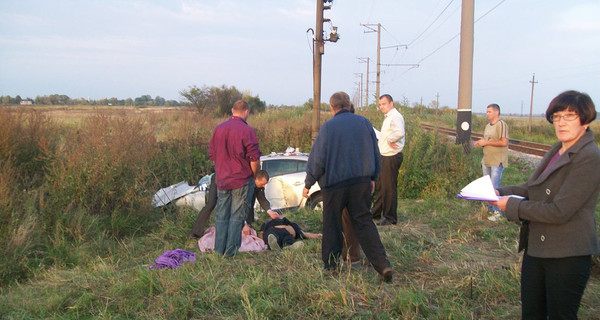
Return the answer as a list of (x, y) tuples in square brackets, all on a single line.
[(78, 232)]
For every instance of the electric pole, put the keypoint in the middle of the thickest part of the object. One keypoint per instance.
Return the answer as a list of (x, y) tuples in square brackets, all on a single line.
[(465, 76), (378, 72), (318, 51), (533, 82), (366, 60), (360, 89), (437, 103)]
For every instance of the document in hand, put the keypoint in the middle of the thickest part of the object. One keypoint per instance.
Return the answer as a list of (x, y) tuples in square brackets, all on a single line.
[(480, 189)]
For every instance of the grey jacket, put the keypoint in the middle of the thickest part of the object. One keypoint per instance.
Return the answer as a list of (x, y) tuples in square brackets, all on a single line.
[(559, 203)]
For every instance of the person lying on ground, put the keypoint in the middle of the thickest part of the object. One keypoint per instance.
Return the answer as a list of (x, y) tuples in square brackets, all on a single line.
[(282, 233)]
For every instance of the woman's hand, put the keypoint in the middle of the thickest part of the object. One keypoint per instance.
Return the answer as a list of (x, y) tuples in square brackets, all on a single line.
[(501, 203)]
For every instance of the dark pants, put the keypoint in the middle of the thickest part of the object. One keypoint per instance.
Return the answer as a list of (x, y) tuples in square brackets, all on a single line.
[(211, 202), (351, 250), (551, 288), (284, 238), (356, 198), (386, 189)]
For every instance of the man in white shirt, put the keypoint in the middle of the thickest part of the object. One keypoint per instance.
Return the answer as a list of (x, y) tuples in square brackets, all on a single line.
[(391, 143)]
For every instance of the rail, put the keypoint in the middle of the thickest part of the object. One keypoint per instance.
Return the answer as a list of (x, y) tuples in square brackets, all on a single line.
[(533, 148)]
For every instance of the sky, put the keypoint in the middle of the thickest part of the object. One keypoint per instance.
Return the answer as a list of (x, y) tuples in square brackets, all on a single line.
[(128, 48)]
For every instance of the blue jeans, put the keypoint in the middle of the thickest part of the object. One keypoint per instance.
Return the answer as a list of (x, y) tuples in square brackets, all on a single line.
[(232, 209), (496, 174)]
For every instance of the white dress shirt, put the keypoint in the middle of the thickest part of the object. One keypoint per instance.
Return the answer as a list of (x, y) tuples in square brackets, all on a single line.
[(392, 130)]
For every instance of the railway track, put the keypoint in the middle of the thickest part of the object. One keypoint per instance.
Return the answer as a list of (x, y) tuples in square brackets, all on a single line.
[(533, 148)]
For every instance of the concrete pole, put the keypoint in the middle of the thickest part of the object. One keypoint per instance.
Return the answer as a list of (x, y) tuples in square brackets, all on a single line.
[(533, 82), (465, 76), (377, 94), (318, 49)]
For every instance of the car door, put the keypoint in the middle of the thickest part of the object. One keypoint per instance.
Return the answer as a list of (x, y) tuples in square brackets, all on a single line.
[(286, 183)]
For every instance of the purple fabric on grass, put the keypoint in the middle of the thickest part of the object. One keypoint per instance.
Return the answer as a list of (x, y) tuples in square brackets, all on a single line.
[(173, 259)]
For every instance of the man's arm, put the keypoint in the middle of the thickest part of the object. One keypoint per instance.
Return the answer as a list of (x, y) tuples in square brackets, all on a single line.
[(255, 166), (503, 142)]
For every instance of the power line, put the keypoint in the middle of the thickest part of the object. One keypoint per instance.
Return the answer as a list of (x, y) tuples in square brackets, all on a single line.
[(436, 19), (447, 42)]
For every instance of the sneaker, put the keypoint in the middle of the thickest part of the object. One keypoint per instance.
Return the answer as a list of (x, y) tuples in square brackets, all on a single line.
[(272, 239), (296, 245), (496, 216)]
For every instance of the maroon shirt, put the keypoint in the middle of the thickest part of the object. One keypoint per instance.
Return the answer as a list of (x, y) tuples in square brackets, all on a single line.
[(232, 147)]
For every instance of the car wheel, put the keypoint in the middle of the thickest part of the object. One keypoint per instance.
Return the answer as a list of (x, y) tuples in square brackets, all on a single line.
[(316, 202)]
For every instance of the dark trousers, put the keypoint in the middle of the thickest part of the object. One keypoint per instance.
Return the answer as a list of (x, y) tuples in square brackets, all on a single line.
[(351, 250), (284, 238), (356, 198), (551, 288), (211, 202), (386, 189)]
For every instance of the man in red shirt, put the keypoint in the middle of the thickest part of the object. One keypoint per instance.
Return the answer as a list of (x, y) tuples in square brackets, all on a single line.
[(234, 150)]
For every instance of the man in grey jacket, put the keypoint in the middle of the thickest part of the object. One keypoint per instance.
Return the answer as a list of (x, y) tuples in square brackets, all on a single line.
[(345, 160)]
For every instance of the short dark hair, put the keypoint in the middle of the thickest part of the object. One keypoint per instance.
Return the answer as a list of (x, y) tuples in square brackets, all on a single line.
[(340, 100), (240, 105), (578, 102), (494, 106), (260, 174), (387, 96)]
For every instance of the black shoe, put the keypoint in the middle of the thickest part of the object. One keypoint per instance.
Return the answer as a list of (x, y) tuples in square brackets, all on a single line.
[(385, 222), (387, 274)]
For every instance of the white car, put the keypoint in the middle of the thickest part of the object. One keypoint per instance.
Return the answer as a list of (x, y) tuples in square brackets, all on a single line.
[(287, 172)]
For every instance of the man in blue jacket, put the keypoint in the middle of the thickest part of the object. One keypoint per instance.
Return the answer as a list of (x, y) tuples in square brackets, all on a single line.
[(345, 160)]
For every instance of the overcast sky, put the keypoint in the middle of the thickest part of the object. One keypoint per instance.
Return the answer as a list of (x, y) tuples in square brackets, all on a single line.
[(110, 48)]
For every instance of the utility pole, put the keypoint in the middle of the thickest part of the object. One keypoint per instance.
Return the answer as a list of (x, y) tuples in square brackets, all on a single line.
[(465, 76), (378, 81), (360, 89), (318, 51), (533, 82), (437, 103), (371, 29), (366, 60)]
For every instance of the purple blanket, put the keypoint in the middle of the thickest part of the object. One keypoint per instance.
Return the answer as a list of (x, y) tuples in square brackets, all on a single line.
[(173, 259)]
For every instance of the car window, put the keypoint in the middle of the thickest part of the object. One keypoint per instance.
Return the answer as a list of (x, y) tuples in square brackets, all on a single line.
[(283, 166)]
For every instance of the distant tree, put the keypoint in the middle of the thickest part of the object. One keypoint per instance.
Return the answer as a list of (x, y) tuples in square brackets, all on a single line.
[(159, 101), (256, 105), (143, 100), (225, 98), (5, 100), (18, 99)]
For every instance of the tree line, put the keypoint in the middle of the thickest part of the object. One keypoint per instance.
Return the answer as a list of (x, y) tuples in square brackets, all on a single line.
[(64, 100), (206, 99)]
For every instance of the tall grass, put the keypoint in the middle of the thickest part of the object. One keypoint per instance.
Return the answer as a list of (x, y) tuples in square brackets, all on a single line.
[(78, 233)]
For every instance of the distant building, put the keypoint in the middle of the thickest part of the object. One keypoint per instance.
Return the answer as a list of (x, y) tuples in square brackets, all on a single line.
[(26, 102)]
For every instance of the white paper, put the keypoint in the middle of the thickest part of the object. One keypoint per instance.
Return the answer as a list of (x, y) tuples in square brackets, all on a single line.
[(480, 189)]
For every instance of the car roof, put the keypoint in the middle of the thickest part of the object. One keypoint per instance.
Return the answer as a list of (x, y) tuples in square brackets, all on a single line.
[(285, 156)]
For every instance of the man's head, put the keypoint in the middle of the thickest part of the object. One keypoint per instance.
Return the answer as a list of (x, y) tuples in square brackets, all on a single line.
[(493, 113), (240, 109), (386, 103), (261, 178), (338, 101)]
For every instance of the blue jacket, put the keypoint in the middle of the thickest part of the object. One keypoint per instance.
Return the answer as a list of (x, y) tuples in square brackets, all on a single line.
[(344, 153)]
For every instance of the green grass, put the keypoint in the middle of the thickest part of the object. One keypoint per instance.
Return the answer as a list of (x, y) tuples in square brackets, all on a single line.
[(71, 259)]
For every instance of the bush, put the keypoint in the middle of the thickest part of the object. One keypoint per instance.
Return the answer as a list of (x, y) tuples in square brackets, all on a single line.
[(433, 166)]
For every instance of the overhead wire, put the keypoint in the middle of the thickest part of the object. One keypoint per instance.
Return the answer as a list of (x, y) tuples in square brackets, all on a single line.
[(448, 41), (431, 24)]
